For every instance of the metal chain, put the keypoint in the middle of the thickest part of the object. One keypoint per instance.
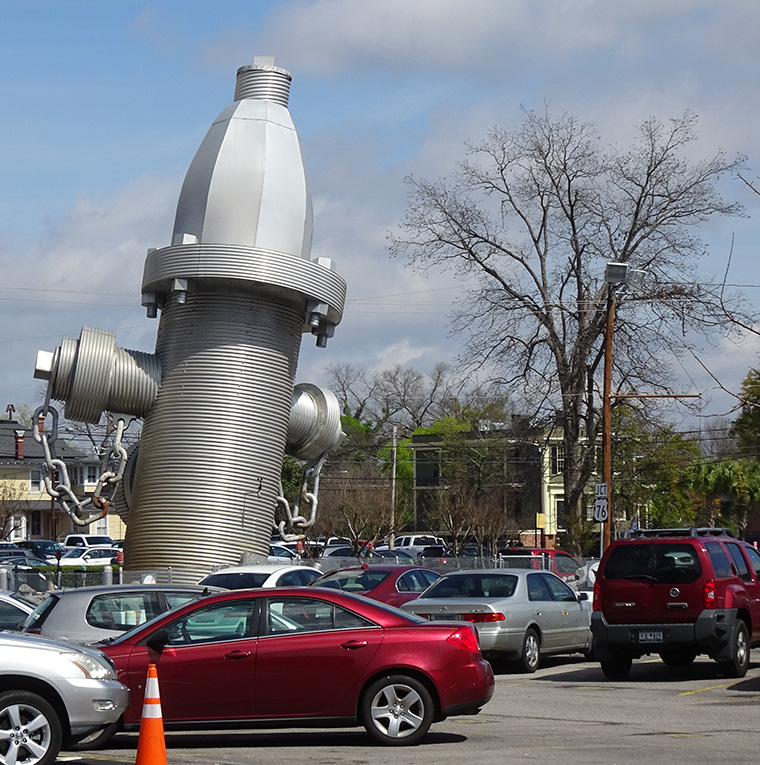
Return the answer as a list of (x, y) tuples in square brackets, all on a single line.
[(56, 474), (293, 517)]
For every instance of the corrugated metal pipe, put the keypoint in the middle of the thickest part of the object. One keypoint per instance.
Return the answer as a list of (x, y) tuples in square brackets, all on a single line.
[(235, 291)]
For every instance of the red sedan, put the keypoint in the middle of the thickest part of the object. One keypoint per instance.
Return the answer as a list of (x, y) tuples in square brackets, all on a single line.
[(260, 658), (390, 584)]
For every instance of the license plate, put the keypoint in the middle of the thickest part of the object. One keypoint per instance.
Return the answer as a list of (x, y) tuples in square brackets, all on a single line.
[(650, 636)]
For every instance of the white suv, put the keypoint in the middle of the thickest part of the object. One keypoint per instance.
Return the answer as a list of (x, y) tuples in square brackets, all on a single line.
[(414, 544)]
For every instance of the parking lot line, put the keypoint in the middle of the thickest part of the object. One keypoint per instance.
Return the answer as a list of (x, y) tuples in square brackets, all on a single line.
[(708, 688)]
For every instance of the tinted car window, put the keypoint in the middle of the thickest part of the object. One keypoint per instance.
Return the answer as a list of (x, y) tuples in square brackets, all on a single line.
[(10, 616), (288, 615), (537, 589), (415, 581), (121, 612), (559, 590), (213, 623), (566, 564), (754, 559), (740, 565), (473, 586), (662, 563), (354, 581), (720, 564)]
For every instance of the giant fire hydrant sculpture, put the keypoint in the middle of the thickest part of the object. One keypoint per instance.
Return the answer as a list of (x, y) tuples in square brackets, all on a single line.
[(235, 291)]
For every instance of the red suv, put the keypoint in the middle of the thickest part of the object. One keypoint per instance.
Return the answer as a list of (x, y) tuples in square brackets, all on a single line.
[(677, 593)]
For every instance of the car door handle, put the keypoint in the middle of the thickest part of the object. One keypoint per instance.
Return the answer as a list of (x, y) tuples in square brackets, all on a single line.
[(237, 655), (351, 644)]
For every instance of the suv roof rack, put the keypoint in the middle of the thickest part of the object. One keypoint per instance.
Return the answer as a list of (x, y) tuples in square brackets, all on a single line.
[(691, 531)]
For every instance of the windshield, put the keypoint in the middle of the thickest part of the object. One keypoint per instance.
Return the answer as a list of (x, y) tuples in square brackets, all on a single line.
[(241, 580), (353, 581), (34, 621), (473, 585)]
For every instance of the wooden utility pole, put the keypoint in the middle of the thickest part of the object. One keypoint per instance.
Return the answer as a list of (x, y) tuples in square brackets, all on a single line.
[(607, 415)]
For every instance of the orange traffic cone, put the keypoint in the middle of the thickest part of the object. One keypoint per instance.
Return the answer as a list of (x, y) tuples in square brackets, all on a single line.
[(151, 746)]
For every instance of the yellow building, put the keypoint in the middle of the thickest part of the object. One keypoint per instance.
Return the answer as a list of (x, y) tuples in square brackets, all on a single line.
[(26, 510)]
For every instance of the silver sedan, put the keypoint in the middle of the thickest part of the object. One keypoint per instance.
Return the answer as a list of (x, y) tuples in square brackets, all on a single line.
[(519, 614)]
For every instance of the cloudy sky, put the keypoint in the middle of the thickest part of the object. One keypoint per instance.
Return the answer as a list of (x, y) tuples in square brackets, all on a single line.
[(103, 105)]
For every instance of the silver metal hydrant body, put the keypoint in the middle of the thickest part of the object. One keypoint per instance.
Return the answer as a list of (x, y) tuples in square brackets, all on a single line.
[(236, 289)]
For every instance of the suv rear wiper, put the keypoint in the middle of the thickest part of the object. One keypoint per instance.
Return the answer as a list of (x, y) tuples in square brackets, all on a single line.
[(648, 577)]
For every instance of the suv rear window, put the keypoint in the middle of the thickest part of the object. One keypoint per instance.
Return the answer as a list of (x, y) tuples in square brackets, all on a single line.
[(669, 563)]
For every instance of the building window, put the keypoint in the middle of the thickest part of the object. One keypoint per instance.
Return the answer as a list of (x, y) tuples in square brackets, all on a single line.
[(35, 523), (561, 514), (92, 474), (36, 483), (558, 458)]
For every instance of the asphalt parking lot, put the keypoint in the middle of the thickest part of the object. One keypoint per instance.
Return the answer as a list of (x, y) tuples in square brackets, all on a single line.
[(566, 712)]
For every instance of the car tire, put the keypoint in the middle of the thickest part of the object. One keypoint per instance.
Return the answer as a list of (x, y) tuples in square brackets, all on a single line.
[(397, 710), (678, 658), (530, 656), (738, 664), (590, 653), (21, 707), (98, 740), (617, 667)]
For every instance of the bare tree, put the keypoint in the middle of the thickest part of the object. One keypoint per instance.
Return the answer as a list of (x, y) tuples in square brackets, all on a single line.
[(528, 223), (356, 502), (13, 507)]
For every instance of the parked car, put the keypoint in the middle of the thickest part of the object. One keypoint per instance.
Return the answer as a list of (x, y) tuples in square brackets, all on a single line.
[(346, 551), (260, 575), (43, 548), (390, 584), (520, 614), (281, 554), (91, 614), (399, 555), (413, 543), (53, 694), (359, 662), (90, 557), (558, 562), (87, 540), (437, 553), (14, 609), (677, 593), (26, 571)]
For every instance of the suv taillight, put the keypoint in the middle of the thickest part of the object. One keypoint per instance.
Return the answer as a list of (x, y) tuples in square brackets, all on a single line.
[(710, 594), (597, 603)]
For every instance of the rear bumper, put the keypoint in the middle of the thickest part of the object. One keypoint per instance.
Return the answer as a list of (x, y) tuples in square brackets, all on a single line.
[(710, 634), (467, 689)]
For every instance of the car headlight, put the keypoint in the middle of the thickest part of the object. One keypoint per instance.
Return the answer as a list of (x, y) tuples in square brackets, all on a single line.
[(90, 666)]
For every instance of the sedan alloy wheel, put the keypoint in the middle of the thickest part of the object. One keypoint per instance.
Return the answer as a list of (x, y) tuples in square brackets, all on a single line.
[(397, 710)]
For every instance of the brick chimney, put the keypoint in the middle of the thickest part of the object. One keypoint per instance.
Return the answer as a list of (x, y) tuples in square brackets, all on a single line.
[(19, 437)]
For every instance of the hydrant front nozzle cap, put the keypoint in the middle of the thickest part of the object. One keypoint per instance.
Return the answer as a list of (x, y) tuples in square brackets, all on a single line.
[(43, 367)]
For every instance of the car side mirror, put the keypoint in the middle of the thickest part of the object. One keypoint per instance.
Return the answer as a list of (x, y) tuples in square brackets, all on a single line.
[(157, 640), (582, 596)]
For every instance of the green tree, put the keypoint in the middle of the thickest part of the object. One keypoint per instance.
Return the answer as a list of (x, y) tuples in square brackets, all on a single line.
[(648, 459), (746, 427), (724, 492)]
